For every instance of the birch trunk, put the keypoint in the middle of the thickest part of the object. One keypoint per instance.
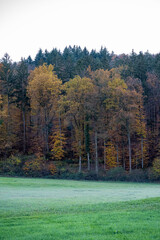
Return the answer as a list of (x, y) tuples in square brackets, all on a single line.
[(88, 160), (96, 154), (129, 148), (80, 157)]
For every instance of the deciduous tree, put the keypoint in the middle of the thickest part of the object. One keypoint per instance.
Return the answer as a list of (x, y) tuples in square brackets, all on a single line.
[(44, 89)]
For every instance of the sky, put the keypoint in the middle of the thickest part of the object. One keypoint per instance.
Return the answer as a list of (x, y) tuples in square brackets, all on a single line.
[(119, 25)]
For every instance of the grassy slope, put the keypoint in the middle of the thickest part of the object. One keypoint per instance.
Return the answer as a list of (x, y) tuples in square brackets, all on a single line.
[(59, 209)]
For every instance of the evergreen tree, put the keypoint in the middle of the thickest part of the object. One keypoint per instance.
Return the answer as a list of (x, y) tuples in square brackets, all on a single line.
[(39, 58), (20, 95)]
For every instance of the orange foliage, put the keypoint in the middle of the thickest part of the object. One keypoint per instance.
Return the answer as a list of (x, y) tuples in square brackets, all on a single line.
[(52, 168)]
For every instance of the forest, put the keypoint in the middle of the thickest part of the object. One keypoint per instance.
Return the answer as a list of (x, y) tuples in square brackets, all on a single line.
[(81, 114)]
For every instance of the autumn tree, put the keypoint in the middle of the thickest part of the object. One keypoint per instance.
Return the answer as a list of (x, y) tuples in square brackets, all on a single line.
[(44, 89), (141, 130), (9, 113), (100, 118), (129, 115), (78, 97), (109, 89), (6, 78), (152, 105)]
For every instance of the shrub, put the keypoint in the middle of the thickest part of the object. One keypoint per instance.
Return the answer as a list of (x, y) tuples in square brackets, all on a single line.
[(64, 174), (156, 169), (91, 176), (151, 174), (35, 167), (12, 165), (77, 176), (137, 175), (52, 168), (116, 174)]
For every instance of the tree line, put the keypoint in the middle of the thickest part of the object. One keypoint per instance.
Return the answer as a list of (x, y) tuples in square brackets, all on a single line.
[(98, 110)]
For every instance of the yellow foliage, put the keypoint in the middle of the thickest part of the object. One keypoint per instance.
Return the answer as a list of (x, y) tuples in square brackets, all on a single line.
[(78, 102), (1, 100), (110, 154), (79, 91), (33, 166), (58, 142), (44, 87), (140, 122), (12, 164), (156, 167)]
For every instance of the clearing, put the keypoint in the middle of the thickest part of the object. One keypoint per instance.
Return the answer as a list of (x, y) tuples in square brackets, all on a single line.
[(45, 209)]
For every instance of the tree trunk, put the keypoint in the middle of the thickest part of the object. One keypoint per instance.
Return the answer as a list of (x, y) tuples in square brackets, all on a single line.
[(96, 154), (47, 146), (46, 132), (87, 140), (24, 131), (80, 164), (129, 148), (142, 151), (60, 129), (104, 154), (80, 157), (136, 161), (88, 160), (117, 156), (124, 165), (8, 117)]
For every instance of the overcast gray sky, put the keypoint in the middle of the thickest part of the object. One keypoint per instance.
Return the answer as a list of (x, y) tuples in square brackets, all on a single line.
[(118, 25)]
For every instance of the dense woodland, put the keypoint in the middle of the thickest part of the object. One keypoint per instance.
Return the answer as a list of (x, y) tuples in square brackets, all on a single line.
[(80, 111)]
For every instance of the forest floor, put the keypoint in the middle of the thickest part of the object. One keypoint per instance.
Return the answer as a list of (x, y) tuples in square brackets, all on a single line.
[(48, 209)]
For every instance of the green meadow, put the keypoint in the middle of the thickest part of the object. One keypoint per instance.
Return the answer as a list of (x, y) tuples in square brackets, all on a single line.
[(44, 209)]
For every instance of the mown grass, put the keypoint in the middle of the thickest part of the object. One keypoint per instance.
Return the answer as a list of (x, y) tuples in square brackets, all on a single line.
[(44, 209)]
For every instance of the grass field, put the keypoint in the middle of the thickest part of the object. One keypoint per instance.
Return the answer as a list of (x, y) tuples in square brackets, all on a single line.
[(44, 209)]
